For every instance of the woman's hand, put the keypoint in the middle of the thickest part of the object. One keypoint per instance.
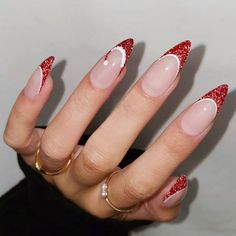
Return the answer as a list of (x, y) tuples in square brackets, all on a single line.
[(146, 183)]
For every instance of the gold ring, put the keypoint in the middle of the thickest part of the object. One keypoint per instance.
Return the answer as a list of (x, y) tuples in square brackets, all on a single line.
[(39, 168), (105, 195)]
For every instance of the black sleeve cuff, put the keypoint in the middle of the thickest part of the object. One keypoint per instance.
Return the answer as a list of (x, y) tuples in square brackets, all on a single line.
[(35, 207)]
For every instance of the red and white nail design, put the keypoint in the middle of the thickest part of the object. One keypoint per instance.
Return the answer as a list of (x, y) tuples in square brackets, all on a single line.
[(176, 193), (181, 50), (125, 48), (38, 78), (105, 72), (162, 73), (45, 68), (217, 94), (203, 112)]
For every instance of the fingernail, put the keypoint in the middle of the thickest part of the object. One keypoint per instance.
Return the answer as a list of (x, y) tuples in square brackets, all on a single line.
[(202, 113), (162, 73), (177, 192), (111, 65), (38, 78)]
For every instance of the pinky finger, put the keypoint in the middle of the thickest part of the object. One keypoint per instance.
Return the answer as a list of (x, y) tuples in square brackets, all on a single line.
[(19, 132), (165, 205)]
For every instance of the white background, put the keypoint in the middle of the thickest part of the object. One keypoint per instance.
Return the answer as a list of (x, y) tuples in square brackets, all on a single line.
[(79, 32)]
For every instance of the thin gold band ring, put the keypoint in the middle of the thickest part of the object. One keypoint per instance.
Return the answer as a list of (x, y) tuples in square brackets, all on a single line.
[(105, 195), (39, 168)]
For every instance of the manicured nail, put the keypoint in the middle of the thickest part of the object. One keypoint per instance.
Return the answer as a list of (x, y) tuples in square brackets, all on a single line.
[(162, 73), (202, 113), (177, 192), (38, 78), (106, 71)]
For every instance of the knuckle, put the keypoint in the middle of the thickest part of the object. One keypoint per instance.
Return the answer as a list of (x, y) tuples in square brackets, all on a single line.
[(8, 139), (128, 109), (174, 146), (15, 143), (94, 159), (135, 190), (81, 101), (53, 149)]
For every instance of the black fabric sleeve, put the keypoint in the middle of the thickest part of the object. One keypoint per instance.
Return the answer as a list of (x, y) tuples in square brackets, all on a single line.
[(34, 207)]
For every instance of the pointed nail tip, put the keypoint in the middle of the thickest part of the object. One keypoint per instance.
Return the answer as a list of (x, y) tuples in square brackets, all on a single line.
[(181, 50), (226, 86), (128, 45), (183, 176), (128, 42), (218, 95), (49, 59), (185, 43)]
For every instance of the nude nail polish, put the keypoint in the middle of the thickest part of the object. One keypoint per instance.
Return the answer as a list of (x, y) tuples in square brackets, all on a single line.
[(176, 193), (38, 78), (202, 113), (109, 67), (162, 73)]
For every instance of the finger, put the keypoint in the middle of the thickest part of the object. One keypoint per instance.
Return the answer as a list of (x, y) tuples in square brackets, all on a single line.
[(66, 128), (165, 204), (107, 146), (19, 132), (146, 175)]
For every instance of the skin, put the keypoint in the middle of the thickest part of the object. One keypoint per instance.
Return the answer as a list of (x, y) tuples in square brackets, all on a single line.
[(144, 182)]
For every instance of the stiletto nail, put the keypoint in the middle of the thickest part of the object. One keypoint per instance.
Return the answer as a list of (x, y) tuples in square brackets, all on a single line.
[(217, 94), (177, 192), (125, 48), (111, 65), (202, 113), (46, 67), (38, 78), (181, 50), (162, 73)]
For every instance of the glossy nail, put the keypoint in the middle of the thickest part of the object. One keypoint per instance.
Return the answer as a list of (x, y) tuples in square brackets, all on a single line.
[(107, 69), (38, 78), (177, 192), (162, 73), (202, 113)]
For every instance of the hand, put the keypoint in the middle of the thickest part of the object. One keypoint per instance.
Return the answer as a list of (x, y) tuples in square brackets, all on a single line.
[(147, 182)]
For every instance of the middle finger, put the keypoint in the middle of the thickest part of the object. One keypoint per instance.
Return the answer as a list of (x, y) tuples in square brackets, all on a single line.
[(109, 143)]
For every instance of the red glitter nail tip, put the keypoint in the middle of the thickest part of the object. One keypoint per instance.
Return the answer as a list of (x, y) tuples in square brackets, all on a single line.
[(46, 67), (127, 46), (181, 50), (218, 94), (181, 183)]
